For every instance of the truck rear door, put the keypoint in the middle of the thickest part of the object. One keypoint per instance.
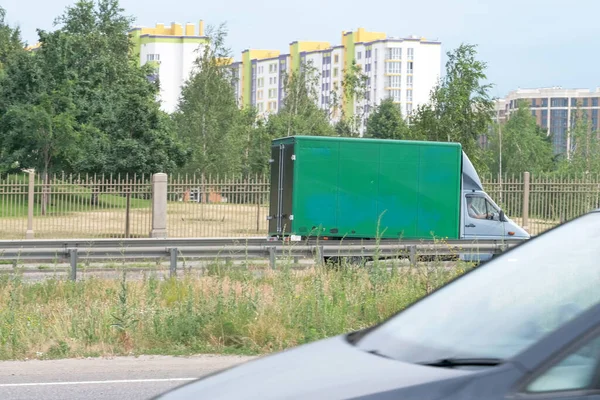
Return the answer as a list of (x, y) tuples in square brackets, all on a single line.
[(282, 177)]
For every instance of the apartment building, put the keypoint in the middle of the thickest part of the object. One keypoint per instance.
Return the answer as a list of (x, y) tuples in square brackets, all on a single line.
[(405, 69), (554, 109), (173, 50)]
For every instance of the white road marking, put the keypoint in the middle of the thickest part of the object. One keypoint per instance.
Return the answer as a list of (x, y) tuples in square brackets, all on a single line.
[(95, 382)]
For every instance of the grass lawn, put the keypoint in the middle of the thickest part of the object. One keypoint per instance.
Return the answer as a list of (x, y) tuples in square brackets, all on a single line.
[(63, 198)]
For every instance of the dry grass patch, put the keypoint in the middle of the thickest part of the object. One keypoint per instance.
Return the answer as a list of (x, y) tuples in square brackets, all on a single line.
[(224, 311)]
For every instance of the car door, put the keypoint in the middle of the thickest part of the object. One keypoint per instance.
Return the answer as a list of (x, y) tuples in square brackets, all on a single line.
[(482, 218), (571, 375)]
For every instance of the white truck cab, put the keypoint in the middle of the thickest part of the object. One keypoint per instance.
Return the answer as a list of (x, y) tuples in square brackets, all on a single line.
[(481, 218)]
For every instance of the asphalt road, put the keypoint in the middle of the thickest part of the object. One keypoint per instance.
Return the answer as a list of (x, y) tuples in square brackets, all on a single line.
[(129, 378)]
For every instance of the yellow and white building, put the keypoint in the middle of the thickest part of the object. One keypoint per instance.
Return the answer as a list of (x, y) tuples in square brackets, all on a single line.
[(173, 49), (405, 69)]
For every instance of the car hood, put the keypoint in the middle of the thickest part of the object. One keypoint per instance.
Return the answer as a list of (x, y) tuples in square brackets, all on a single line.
[(327, 369)]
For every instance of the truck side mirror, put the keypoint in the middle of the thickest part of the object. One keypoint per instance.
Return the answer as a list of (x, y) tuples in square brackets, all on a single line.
[(502, 216)]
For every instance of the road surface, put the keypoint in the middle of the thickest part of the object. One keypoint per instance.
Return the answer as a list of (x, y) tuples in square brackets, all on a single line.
[(129, 378)]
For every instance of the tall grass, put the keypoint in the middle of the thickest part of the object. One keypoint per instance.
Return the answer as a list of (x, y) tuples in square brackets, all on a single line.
[(223, 311)]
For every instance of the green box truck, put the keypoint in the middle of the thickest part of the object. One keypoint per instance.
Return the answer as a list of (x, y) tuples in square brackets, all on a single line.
[(371, 188)]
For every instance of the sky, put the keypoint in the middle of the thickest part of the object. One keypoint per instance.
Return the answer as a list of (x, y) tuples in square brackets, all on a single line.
[(525, 43)]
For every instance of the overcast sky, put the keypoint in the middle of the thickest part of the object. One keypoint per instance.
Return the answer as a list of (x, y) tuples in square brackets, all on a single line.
[(526, 43)]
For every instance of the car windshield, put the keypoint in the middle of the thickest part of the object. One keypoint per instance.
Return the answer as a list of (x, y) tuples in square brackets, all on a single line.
[(501, 308)]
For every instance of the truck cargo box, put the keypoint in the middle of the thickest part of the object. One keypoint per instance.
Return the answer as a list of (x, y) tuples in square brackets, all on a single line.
[(364, 188)]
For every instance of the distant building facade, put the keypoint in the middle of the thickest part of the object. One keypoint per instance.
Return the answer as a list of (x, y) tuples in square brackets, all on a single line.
[(173, 50), (405, 69), (554, 110)]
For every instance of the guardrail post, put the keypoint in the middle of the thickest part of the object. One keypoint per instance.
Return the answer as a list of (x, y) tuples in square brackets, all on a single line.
[(159, 206), (73, 260), (272, 257), (526, 201), (30, 204), (173, 266), (413, 255)]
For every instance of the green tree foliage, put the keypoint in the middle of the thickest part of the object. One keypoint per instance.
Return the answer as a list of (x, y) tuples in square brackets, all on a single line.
[(208, 114), (10, 40), (88, 105), (525, 147), (255, 142), (386, 122), (300, 113), (460, 107), (584, 152), (355, 91)]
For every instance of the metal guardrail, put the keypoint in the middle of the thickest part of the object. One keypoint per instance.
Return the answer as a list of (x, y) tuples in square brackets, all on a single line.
[(32, 251)]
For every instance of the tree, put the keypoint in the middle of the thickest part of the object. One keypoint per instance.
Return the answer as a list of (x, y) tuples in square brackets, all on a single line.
[(10, 40), (300, 113), (84, 87), (460, 107), (256, 142), (355, 88), (584, 152), (525, 146), (207, 112), (386, 122)]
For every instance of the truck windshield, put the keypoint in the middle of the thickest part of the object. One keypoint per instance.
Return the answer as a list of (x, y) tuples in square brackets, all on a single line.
[(501, 308)]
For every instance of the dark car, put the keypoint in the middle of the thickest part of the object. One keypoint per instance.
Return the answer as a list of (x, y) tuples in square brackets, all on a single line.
[(525, 325)]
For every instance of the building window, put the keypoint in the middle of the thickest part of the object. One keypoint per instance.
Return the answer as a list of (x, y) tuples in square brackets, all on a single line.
[(409, 81), (410, 53), (259, 95), (409, 68), (393, 67), (545, 119), (545, 102), (336, 59), (558, 129), (260, 107), (359, 55), (152, 57), (261, 82), (534, 113), (335, 72), (594, 102), (409, 108), (394, 53), (394, 81), (559, 102), (395, 94), (585, 102), (272, 93), (409, 95)]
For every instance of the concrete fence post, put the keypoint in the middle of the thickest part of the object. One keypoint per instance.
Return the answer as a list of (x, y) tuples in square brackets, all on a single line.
[(159, 206), (30, 204), (526, 201)]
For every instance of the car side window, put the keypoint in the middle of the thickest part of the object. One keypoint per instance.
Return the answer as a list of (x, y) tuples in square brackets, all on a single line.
[(480, 208), (477, 207), (575, 371)]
